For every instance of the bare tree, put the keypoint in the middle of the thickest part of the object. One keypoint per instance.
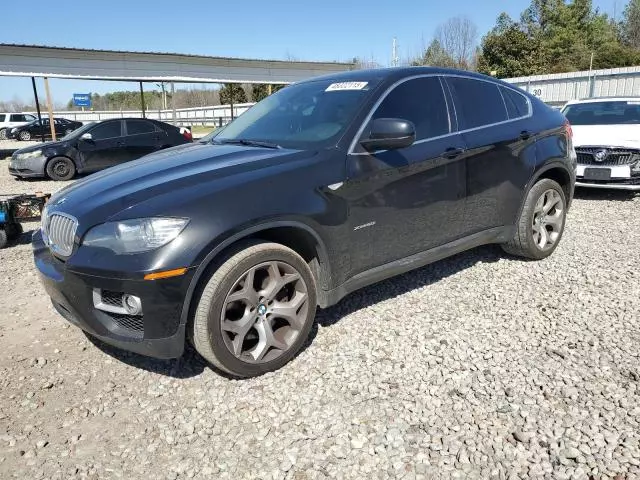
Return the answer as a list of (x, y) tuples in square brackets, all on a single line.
[(457, 38)]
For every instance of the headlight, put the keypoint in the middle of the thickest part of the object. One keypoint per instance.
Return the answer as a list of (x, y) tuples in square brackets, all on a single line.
[(135, 236), (34, 154)]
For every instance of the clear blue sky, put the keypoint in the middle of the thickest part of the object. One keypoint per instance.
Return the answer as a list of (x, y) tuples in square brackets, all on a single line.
[(326, 30)]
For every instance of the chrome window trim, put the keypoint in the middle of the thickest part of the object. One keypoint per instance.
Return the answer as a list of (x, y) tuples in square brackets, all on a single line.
[(442, 77)]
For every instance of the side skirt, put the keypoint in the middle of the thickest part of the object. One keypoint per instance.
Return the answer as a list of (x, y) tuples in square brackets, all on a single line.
[(326, 298)]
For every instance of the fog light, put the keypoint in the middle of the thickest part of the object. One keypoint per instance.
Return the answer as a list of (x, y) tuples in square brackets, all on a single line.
[(132, 304)]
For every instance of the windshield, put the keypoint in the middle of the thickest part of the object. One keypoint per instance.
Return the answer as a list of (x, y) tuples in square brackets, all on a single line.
[(306, 115), (603, 113), (79, 131), (211, 135)]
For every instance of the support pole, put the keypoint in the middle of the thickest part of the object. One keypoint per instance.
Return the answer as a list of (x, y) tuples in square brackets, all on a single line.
[(52, 123), (173, 101), (35, 94), (270, 89), (142, 100)]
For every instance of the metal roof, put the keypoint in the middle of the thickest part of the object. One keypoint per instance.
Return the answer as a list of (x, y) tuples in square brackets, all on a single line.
[(65, 62)]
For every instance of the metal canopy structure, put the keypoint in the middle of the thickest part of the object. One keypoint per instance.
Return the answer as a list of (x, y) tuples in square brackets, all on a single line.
[(76, 63)]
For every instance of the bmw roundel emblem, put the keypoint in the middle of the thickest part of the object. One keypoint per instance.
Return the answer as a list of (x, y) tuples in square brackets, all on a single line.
[(601, 155)]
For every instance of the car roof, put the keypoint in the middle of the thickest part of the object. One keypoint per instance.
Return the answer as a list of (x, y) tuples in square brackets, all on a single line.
[(396, 73), (604, 99)]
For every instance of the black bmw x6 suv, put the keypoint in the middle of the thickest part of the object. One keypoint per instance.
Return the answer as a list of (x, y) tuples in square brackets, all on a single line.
[(325, 187)]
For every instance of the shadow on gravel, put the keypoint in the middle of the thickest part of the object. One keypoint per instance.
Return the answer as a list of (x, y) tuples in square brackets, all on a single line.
[(407, 282), (191, 364), (601, 194), (25, 238), (187, 366)]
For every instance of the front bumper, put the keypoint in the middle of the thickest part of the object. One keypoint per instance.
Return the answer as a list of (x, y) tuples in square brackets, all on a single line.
[(31, 167), (622, 178), (162, 333)]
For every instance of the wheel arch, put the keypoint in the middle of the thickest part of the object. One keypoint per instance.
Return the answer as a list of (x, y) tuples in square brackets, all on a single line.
[(557, 172), (298, 236)]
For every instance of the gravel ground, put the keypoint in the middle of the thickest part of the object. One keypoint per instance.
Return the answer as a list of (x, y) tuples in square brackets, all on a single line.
[(479, 366)]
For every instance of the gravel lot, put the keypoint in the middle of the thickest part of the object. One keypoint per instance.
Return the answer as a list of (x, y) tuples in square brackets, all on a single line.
[(479, 366)]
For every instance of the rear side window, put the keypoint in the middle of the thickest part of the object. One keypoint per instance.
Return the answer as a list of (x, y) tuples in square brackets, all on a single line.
[(2, 117), (106, 130), (478, 103), (420, 101), (18, 117), (136, 127), (603, 113), (517, 104)]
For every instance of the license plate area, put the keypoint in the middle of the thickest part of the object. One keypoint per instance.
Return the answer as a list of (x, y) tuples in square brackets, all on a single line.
[(597, 174)]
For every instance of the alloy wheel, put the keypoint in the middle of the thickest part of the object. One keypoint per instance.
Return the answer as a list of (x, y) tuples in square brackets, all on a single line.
[(548, 219), (264, 312), (24, 135)]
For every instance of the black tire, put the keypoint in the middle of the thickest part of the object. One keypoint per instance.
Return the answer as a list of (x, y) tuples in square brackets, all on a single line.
[(3, 133), (4, 240), (523, 243), (207, 333), (61, 169), (24, 136)]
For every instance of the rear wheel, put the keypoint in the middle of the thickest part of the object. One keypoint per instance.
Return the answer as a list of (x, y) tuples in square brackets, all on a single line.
[(61, 169), (3, 133), (256, 310), (24, 135), (541, 222), (3, 238)]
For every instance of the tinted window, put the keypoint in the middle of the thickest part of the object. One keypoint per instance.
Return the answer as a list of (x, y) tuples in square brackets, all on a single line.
[(421, 101), (134, 127), (106, 130), (2, 117), (517, 104), (29, 118), (603, 113), (19, 118), (478, 103)]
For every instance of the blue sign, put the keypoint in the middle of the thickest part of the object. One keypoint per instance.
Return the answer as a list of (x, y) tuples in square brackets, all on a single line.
[(82, 99)]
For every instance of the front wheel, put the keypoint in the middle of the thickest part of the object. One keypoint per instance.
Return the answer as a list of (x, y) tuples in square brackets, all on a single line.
[(61, 169), (24, 136), (541, 222), (256, 310)]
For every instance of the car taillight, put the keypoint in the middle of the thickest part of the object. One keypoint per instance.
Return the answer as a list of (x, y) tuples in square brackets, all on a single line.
[(568, 129)]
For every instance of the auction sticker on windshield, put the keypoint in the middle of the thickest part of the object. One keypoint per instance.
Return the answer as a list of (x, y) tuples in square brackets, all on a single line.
[(346, 86)]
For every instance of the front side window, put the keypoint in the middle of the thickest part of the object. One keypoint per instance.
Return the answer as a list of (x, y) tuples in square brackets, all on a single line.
[(307, 115), (603, 113), (136, 127), (421, 101), (106, 130), (478, 103)]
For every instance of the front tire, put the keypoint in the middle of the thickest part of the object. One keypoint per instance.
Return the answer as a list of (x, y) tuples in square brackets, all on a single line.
[(3, 133), (256, 310), (541, 223), (24, 136), (61, 169)]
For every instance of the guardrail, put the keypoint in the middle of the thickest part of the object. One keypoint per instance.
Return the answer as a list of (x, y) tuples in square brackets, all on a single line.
[(216, 115)]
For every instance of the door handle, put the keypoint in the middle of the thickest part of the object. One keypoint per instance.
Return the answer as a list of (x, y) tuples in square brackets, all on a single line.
[(453, 152), (525, 135)]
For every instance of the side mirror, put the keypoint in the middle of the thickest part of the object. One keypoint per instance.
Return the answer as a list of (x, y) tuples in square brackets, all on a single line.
[(389, 134), (86, 136)]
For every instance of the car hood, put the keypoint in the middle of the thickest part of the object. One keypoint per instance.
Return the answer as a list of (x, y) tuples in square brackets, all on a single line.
[(117, 190), (46, 146), (625, 136)]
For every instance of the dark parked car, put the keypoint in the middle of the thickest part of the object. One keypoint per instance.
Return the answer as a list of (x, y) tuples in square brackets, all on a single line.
[(35, 129), (94, 147), (325, 187)]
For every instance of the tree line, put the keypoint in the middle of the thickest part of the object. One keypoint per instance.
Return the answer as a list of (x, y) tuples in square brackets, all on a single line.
[(550, 36), (184, 98)]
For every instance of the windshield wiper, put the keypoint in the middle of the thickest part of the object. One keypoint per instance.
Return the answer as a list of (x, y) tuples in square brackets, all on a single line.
[(248, 143)]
